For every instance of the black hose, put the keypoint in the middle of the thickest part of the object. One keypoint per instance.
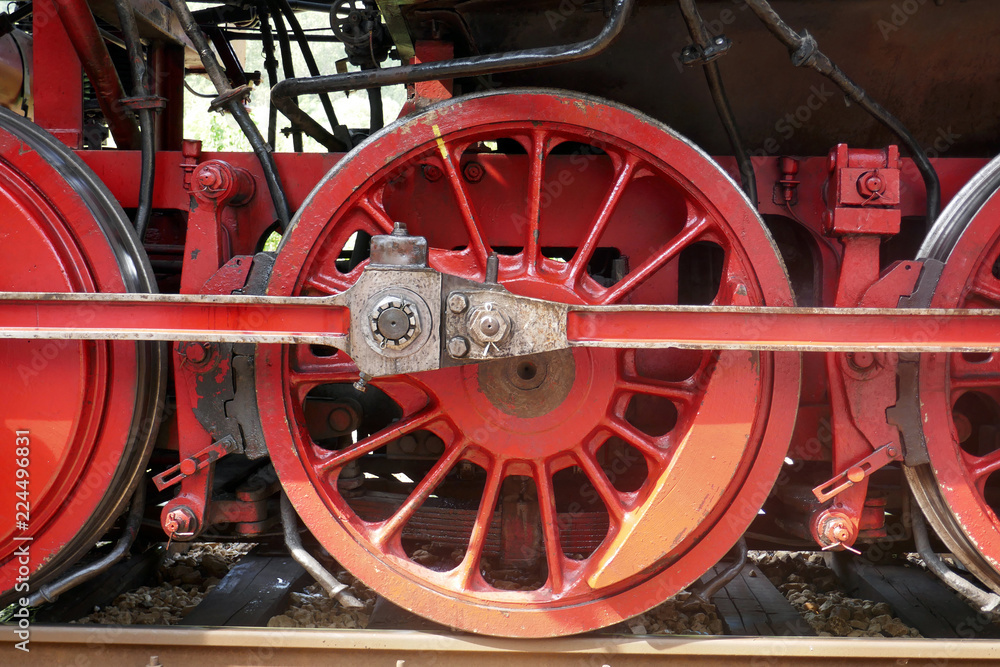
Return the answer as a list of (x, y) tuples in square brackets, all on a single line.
[(147, 144), (234, 105), (271, 66), (375, 107), (806, 52), (284, 93), (287, 64), (339, 133), (696, 26)]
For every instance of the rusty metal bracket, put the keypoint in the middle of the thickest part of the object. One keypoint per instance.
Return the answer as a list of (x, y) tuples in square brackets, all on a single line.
[(880, 458), (193, 464)]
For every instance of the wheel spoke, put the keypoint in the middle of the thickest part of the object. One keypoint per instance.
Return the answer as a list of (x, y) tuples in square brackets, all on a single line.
[(376, 440), (550, 527), (640, 441), (608, 493), (307, 373), (469, 566), (683, 239), (981, 467), (437, 473), (536, 172), (476, 242), (378, 215), (586, 251), (329, 281), (677, 392)]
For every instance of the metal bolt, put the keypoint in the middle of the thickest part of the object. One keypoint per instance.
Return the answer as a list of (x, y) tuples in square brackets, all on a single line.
[(458, 347), (393, 323), (861, 361), (180, 522), (196, 353), (489, 325), (473, 172), (362, 383), (342, 419), (408, 444), (457, 302), (432, 172)]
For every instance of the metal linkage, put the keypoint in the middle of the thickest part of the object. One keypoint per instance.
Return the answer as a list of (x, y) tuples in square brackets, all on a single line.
[(283, 95)]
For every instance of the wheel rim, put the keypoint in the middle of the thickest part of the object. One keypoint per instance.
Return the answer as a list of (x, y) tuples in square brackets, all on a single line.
[(91, 408), (959, 394), (523, 423)]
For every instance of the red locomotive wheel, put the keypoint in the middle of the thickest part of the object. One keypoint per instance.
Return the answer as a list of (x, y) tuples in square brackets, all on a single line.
[(86, 410), (959, 394), (557, 493)]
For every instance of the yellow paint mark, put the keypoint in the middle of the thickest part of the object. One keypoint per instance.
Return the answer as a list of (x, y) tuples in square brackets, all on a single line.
[(440, 142)]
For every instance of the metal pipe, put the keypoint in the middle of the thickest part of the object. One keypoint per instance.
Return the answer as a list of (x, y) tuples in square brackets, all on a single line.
[(235, 107), (339, 132), (49, 592), (93, 53), (284, 93), (696, 26), (271, 66), (287, 64), (986, 600), (140, 89), (805, 51), (336, 590), (703, 592)]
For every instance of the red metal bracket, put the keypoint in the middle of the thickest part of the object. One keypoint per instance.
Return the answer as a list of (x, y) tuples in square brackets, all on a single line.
[(194, 463), (880, 458)]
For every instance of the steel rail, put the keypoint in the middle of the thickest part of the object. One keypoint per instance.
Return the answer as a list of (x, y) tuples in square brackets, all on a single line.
[(326, 320), (50, 644)]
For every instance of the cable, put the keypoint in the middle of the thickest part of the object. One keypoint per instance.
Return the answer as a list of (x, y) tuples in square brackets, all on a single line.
[(696, 26), (147, 139), (234, 105), (208, 96), (805, 51)]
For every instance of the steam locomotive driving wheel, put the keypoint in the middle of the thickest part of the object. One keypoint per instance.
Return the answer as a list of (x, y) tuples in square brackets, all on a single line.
[(547, 494)]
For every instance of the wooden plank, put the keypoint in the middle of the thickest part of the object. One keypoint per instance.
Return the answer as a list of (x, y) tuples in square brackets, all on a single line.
[(254, 590), (102, 590), (751, 605), (920, 600)]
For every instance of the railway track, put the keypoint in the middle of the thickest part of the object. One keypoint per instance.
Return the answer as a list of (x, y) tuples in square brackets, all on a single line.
[(761, 626), (252, 646)]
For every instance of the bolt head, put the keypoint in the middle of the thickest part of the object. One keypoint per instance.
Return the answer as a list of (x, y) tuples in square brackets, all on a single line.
[(458, 347), (432, 172), (457, 302), (394, 323), (473, 172), (196, 353), (488, 324)]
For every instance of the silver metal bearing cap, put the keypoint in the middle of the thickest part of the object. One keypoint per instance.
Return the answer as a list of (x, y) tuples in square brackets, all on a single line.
[(395, 322)]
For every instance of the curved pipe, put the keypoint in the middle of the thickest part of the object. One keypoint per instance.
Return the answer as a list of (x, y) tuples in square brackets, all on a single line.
[(806, 52), (49, 592), (338, 591), (703, 593), (283, 95), (82, 29), (130, 30), (985, 600)]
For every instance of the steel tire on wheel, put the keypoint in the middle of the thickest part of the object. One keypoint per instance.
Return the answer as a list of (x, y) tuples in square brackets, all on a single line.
[(91, 407), (959, 394), (710, 430)]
